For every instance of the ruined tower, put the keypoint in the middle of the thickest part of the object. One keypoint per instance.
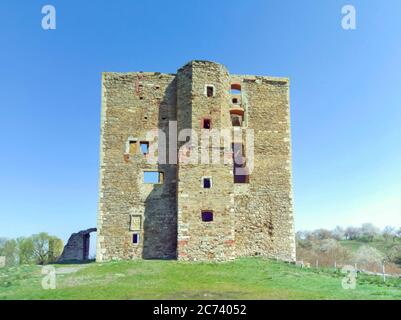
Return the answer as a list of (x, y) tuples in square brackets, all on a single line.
[(228, 195)]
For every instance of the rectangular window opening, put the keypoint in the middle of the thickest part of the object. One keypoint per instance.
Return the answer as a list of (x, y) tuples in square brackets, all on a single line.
[(207, 124), (144, 147), (236, 120), (153, 177), (135, 238), (132, 147), (241, 178), (207, 183), (210, 91), (207, 216)]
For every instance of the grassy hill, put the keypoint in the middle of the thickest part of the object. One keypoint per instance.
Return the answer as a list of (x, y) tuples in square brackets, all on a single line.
[(379, 244), (250, 278)]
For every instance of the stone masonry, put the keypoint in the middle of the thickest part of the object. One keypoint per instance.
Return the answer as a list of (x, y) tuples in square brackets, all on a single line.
[(77, 247), (195, 210)]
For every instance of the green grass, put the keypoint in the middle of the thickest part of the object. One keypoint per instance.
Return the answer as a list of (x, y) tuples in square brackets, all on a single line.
[(379, 244), (250, 278)]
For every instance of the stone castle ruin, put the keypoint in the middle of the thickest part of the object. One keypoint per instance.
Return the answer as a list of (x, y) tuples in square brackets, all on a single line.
[(77, 247), (154, 207)]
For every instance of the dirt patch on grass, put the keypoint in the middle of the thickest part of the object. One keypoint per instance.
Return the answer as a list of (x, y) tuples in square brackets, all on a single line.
[(207, 295), (70, 269)]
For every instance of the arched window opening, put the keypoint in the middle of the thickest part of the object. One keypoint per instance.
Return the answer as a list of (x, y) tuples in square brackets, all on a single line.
[(237, 117), (235, 88)]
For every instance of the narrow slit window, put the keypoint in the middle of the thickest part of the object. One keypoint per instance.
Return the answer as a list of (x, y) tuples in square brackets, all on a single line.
[(210, 91), (207, 216), (153, 177), (207, 183), (135, 238), (207, 124), (144, 148)]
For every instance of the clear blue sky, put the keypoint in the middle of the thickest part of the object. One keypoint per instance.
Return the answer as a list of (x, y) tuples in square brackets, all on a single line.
[(345, 98)]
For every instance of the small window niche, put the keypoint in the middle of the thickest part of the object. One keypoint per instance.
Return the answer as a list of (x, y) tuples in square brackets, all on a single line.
[(206, 123), (206, 182), (135, 238), (144, 146), (132, 147), (237, 117), (153, 177), (207, 215), (235, 100), (235, 88), (209, 90)]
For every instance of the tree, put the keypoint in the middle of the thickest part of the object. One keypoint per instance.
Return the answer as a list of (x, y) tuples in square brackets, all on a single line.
[(26, 250), (41, 247), (303, 239), (398, 233), (2, 242), (56, 246), (389, 233), (9, 250), (351, 233), (46, 248), (369, 231), (394, 255), (301, 235), (326, 252), (338, 233), (321, 234), (366, 256)]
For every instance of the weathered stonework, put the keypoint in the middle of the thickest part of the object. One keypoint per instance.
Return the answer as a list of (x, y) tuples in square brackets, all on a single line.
[(140, 220), (77, 247)]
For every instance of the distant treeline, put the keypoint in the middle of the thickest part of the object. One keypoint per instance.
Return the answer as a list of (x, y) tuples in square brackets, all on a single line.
[(366, 246), (39, 248), (367, 232)]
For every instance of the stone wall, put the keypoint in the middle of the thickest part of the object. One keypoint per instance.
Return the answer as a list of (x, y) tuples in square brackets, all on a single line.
[(77, 247), (132, 105), (198, 240), (264, 217), (252, 218)]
